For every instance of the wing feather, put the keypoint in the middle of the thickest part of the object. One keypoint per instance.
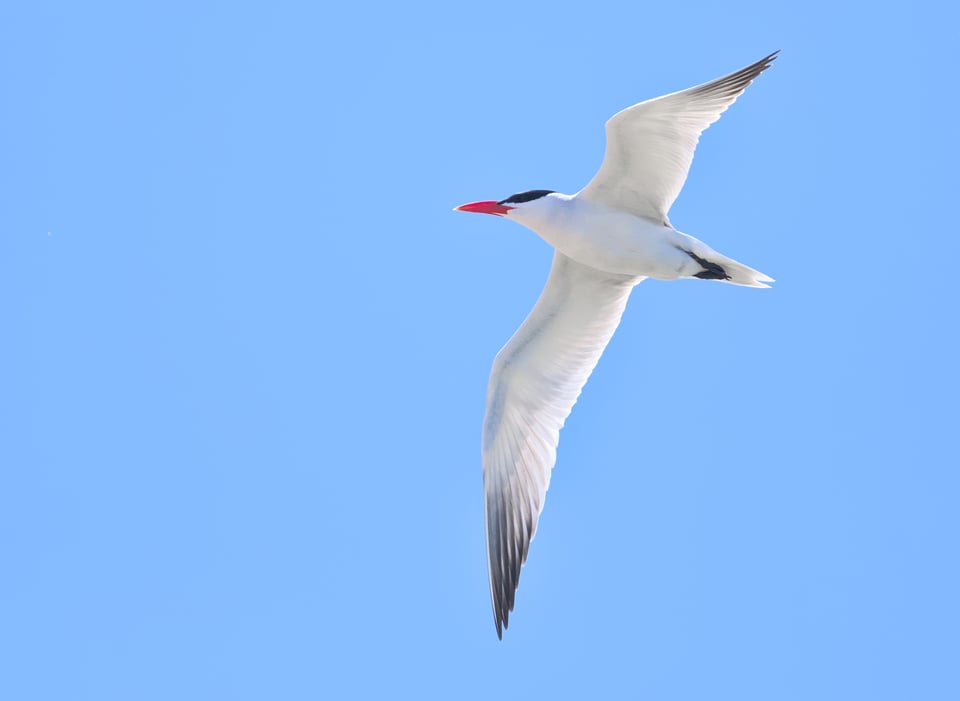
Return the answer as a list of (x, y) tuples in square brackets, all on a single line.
[(535, 381), (650, 146)]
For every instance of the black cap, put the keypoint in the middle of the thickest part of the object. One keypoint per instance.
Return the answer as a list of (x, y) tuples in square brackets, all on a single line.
[(527, 196)]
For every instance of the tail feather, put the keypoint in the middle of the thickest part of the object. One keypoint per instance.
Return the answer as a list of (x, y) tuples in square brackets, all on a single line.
[(740, 274), (706, 264)]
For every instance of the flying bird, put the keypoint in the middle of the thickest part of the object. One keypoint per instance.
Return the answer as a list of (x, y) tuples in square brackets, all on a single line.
[(608, 238)]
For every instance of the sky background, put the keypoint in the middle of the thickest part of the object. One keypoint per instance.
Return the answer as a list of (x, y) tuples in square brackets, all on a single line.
[(246, 343)]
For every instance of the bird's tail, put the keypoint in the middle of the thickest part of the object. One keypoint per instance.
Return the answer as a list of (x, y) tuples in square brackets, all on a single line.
[(738, 273), (706, 264)]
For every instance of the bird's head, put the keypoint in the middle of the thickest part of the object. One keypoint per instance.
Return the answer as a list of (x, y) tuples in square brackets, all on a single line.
[(520, 206)]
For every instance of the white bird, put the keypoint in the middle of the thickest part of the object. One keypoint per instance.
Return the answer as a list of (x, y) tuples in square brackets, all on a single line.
[(608, 237)]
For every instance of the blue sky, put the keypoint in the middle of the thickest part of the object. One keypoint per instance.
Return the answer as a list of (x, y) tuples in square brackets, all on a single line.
[(247, 343)]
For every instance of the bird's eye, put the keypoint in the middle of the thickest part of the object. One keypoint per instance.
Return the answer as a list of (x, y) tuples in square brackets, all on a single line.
[(527, 196)]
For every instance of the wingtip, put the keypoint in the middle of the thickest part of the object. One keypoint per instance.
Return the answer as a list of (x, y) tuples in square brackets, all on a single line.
[(755, 69), (765, 62), (769, 58)]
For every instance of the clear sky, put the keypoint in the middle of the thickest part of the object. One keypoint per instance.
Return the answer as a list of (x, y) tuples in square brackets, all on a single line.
[(246, 343)]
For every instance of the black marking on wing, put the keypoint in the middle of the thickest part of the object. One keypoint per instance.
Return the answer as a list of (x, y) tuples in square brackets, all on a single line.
[(732, 85)]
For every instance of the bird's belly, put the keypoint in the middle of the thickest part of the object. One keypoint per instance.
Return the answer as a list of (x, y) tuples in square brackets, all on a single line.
[(621, 243)]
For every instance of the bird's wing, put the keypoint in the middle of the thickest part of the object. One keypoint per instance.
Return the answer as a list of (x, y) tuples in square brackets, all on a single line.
[(650, 145), (535, 381)]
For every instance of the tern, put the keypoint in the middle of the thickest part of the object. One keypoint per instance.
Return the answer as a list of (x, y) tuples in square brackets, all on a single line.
[(608, 237)]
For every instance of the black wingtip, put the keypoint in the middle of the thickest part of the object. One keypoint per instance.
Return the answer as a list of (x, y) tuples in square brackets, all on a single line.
[(732, 85), (765, 62), (501, 616), (760, 66), (768, 59)]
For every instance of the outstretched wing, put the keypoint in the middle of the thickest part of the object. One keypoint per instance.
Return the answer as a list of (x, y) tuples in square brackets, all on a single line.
[(650, 145), (535, 381)]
